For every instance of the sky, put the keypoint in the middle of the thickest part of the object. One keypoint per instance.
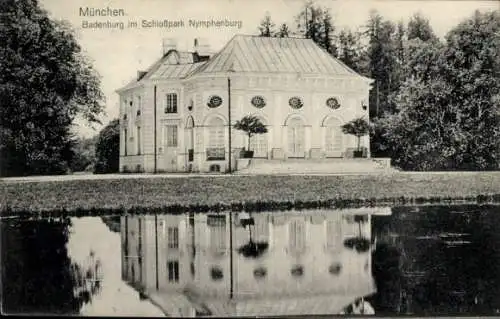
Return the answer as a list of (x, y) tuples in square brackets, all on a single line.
[(117, 54)]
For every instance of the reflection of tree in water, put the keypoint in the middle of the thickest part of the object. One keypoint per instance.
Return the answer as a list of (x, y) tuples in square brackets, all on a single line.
[(37, 272), (113, 223), (86, 279), (359, 243), (449, 263)]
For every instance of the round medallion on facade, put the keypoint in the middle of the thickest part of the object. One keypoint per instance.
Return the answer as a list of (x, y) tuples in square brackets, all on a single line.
[(214, 101), (296, 102), (258, 101), (333, 103)]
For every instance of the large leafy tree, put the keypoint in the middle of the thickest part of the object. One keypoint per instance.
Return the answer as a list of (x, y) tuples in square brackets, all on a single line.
[(420, 28), (471, 65), (448, 108), (107, 149), (45, 83)]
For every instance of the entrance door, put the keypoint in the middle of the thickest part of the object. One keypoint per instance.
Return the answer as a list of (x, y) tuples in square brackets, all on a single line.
[(296, 138), (171, 144), (333, 138), (258, 144)]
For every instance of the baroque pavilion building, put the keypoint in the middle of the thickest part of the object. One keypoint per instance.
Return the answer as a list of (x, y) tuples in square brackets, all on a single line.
[(174, 116)]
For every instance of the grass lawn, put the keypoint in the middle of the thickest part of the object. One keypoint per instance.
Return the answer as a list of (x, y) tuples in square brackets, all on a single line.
[(105, 196)]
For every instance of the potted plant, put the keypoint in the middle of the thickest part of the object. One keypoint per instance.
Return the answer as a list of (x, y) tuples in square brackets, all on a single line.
[(358, 127), (251, 125)]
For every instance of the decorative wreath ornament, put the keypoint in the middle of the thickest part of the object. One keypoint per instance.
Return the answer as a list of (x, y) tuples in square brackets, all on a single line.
[(258, 101), (214, 101), (332, 103), (296, 102)]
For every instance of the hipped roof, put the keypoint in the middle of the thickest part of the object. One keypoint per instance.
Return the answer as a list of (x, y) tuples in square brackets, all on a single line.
[(244, 53), (252, 54)]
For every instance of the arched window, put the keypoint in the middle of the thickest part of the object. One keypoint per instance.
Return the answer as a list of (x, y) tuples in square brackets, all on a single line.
[(297, 236)]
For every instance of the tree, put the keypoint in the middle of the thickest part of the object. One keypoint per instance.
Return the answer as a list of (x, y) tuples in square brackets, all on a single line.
[(108, 149), (448, 113), (316, 24), (84, 154), (382, 57), (45, 83), (419, 28), (266, 27), (358, 127), (471, 66), (251, 125), (284, 31), (349, 52)]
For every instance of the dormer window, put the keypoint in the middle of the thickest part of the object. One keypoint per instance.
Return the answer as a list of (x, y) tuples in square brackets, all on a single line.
[(170, 103)]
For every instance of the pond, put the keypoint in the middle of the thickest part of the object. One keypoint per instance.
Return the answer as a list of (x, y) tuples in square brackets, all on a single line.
[(426, 260)]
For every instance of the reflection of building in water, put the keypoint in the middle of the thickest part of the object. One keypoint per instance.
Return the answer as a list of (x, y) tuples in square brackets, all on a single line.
[(300, 265)]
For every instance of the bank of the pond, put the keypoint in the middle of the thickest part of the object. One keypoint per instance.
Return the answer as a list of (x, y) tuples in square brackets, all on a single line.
[(252, 193)]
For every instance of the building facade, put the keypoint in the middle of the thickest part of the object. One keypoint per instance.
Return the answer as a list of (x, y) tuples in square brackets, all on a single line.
[(185, 264), (175, 116)]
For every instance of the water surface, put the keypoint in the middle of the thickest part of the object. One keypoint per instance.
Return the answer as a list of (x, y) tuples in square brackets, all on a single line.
[(439, 260)]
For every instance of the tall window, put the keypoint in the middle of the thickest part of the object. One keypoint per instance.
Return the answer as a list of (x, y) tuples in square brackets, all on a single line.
[(138, 140), (173, 237), (334, 234), (171, 103), (297, 236), (216, 140), (171, 135), (217, 226), (173, 271), (261, 229), (125, 142)]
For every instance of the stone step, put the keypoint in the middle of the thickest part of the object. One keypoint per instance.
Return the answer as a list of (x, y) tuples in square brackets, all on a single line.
[(258, 166)]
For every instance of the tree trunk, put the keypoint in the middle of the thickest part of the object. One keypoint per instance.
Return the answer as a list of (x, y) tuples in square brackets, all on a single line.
[(359, 142), (249, 136)]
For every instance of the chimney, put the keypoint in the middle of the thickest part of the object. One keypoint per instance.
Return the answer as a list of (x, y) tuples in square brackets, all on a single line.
[(202, 47), (169, 44)]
